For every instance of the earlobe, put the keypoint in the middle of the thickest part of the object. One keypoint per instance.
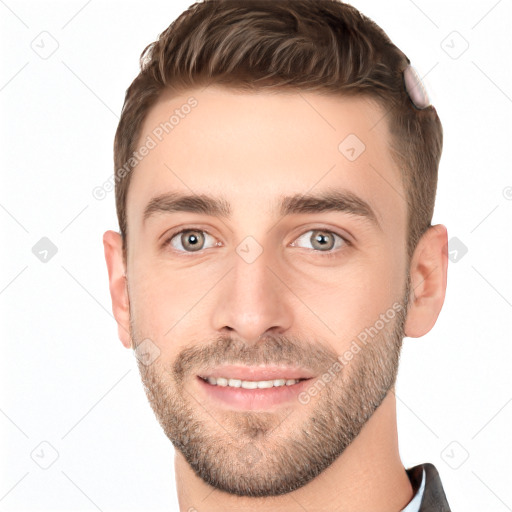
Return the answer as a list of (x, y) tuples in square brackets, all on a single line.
[(428, 271), (112, 244)]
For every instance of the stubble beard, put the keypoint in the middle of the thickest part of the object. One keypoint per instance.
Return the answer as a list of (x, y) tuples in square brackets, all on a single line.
[(261, 453)]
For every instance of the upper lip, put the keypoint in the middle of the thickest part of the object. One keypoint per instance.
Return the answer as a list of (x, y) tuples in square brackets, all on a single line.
[(257, 372)]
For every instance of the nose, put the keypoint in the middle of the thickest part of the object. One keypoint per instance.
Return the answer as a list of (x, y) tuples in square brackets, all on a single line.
[(252, 300)]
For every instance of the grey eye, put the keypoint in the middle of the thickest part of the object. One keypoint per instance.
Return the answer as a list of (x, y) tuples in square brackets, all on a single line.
[(322, 240), (191, 240)]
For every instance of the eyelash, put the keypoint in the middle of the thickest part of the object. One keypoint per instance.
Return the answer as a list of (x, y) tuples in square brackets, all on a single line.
[(327, 254)]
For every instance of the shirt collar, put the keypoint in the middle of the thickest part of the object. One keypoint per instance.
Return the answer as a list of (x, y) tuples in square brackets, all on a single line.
[(415, 503), (428, 490)]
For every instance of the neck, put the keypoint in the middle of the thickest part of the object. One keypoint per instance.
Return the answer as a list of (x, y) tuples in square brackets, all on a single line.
[(369, 475)]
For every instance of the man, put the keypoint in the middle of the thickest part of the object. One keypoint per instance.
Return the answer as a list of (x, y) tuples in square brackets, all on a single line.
[(276, 170)]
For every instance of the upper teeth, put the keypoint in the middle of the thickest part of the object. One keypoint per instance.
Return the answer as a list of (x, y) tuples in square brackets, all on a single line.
[(251, 384)]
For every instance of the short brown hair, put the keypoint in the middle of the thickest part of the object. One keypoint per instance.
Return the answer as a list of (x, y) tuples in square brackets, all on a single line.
[(304, 45)]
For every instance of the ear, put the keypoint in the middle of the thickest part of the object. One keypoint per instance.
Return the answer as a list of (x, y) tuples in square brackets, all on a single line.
[(428, 271), (112, 244)]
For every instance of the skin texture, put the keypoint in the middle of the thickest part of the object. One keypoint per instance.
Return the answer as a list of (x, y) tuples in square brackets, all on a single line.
[(292, 304)]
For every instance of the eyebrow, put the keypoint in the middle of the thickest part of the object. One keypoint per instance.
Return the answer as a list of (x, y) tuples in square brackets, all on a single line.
[(328, 201)]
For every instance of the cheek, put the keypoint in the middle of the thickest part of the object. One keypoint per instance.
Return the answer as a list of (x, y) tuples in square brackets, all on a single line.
[(358, 293), (167, 305), (150, 297)]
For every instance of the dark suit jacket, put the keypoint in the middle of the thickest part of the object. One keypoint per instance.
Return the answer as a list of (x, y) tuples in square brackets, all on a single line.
[(434, 499)]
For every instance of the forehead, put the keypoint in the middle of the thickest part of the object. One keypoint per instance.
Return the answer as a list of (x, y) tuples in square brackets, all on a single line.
[(253, 148)]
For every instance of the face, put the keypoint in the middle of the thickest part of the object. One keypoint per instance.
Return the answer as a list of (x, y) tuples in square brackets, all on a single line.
[(297, 303)]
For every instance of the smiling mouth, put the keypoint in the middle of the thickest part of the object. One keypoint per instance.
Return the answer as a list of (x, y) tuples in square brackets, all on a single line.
[(264, 387), (251, 384)]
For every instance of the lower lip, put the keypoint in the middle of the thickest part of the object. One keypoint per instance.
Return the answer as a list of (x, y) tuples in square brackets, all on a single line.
[(253, 399)]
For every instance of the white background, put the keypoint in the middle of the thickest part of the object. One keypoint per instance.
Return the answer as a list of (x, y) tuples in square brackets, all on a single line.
[(67, 380)]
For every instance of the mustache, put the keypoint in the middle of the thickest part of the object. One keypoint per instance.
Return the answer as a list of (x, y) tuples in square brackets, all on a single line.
[(269, 350)]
